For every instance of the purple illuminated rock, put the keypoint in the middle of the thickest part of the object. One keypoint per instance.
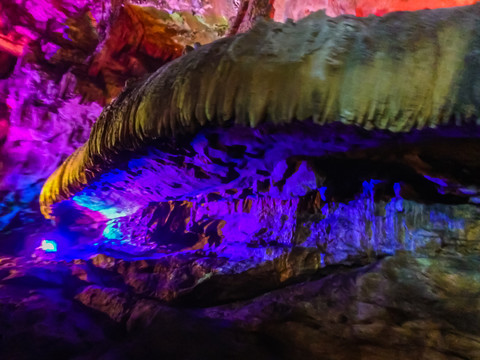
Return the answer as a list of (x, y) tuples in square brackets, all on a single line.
[(72, 59)]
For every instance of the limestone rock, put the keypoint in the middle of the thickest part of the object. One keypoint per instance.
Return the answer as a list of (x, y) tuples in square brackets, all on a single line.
[(330, 73)]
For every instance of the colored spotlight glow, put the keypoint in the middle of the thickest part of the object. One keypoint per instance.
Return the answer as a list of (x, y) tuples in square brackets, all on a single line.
[(49, 246)]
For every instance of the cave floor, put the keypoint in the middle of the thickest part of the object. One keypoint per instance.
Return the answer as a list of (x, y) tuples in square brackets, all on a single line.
[(397, 307)]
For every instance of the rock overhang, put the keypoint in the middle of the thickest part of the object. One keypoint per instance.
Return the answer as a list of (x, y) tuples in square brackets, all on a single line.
[(391, 98)]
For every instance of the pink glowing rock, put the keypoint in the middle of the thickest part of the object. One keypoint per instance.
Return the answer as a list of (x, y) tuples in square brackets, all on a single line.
[(297, 9)]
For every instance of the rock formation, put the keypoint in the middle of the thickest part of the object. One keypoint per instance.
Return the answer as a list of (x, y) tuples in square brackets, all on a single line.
[(281, 112), (252, 189)]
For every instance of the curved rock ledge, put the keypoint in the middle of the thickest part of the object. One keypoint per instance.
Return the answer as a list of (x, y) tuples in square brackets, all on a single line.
[(400, 72)]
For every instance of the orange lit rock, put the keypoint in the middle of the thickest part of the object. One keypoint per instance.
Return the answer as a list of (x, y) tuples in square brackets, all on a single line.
[(143, 38)]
